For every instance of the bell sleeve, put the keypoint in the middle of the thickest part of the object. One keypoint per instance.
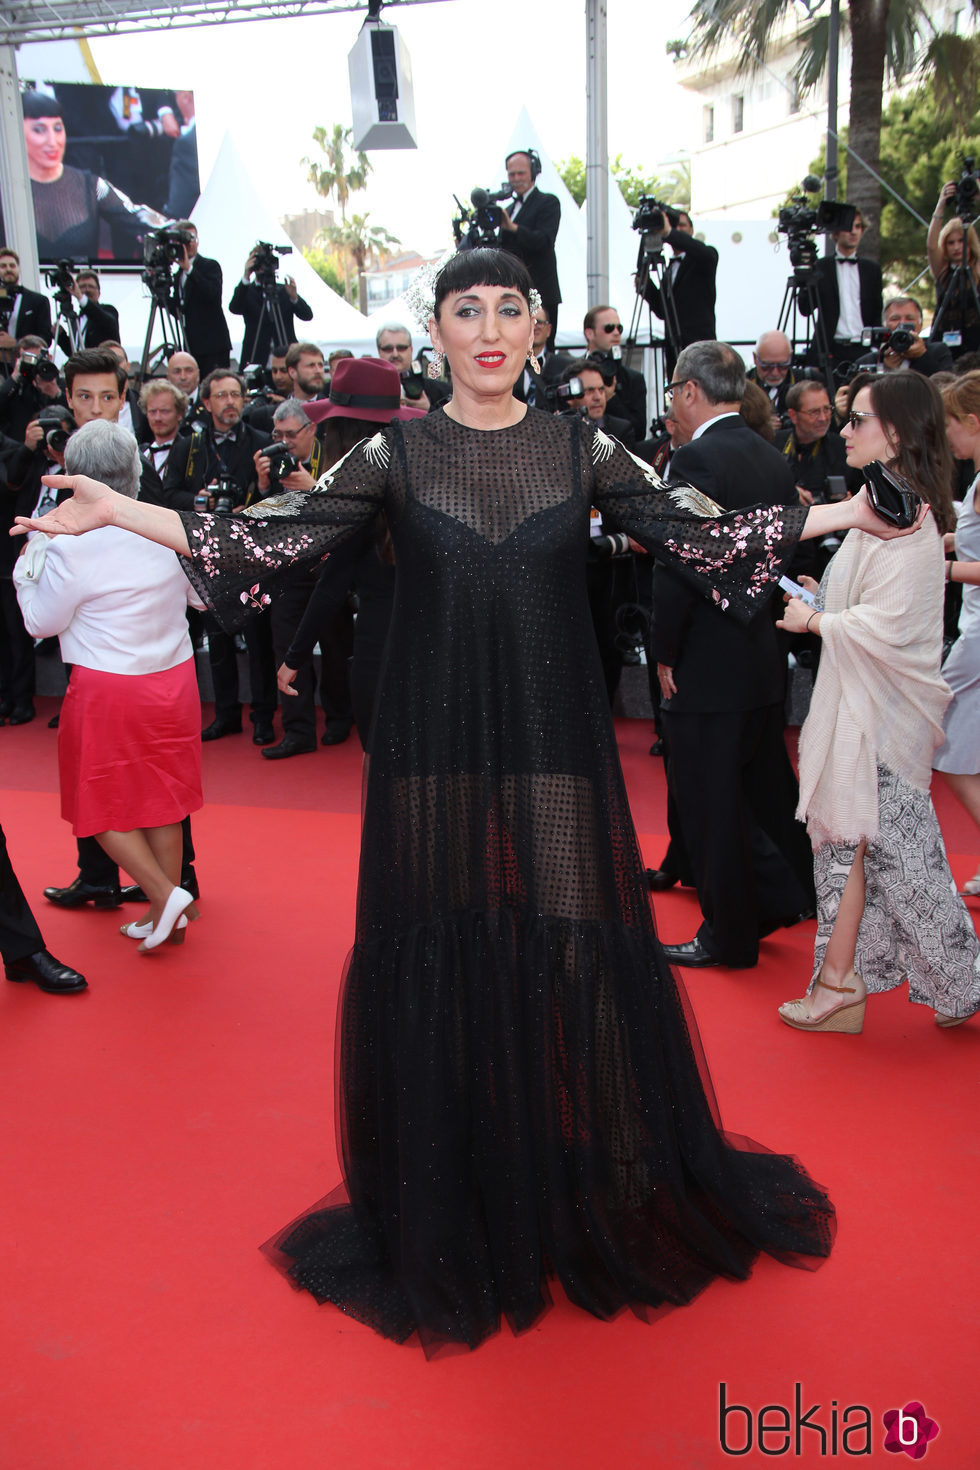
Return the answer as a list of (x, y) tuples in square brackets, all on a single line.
[(237, 563), (732, 558)]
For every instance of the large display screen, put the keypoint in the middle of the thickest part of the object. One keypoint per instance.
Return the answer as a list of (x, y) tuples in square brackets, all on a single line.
[(108, 165)]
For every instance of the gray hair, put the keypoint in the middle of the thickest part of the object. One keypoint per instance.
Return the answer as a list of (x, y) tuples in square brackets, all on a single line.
[(392, 327), (155, 386), (291, 408), (716, 368), (107, 453)]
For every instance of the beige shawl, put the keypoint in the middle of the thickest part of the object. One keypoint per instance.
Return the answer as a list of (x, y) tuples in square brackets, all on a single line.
[(879, 695)]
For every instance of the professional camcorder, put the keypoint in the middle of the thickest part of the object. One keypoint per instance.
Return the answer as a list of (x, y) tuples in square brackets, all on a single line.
[(265, 259), (479, 226), (60, 278), (799, 222), (163, 248), (58, 426), (37, 365), (282, 463), (967, 189)]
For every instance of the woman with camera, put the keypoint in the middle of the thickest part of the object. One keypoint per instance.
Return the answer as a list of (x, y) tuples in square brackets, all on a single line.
[(887, 909), (522, 1091), (129, 747), (953, 250)]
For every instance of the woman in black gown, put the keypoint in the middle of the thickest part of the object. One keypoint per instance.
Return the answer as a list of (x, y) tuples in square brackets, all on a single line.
[(522, 1092)]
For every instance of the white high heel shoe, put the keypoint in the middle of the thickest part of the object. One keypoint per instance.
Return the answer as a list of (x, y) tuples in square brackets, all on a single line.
[(177, 903), (140, 931)]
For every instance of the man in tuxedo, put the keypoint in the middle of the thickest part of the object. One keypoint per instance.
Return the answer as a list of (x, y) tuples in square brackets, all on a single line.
[(96, 322), (25, 392), (199, 285), (552, 364), (691, 273), (722, 684), (772, 370), (603, 328), (903, 316), (131, 415), (223, 449), (529, 229), (248, 300), (848, 295), (21, 944), (22, 313), (163, 408)]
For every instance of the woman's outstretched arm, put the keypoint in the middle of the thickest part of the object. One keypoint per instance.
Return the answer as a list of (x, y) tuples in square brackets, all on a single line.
[(93, 504)]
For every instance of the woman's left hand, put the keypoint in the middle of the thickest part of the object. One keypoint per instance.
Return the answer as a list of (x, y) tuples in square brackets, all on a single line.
[(795, 615)]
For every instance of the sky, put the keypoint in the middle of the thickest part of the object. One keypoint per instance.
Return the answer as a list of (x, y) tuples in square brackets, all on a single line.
[(475, 63)]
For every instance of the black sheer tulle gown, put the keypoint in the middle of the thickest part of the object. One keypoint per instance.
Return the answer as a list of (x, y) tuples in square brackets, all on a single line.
[(522, 1092)]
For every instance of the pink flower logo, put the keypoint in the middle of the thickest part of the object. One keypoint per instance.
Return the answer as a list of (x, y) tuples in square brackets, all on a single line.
[(909, 1429)]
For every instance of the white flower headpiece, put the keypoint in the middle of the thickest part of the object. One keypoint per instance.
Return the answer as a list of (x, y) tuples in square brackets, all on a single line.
[(421, 293)]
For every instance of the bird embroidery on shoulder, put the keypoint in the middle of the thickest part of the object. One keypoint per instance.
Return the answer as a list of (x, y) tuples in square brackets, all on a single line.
[(602, 447), (685, 497), (290, 502), (376, 451)]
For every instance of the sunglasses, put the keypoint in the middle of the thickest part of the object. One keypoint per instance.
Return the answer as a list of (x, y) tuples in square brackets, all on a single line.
[(765, 366), (611, 327), (854, 419)]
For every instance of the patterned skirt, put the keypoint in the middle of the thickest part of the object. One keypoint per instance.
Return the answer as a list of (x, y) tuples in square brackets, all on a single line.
[(914, 925)]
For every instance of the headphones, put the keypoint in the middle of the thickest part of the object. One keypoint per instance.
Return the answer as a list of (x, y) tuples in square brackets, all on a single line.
[(535, 160)]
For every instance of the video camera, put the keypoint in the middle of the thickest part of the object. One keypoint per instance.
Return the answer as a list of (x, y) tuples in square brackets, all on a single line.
[(58, 426), (652, 221), (258, 379), (60, 278), (799, 222), (562, 397), (282, 463), (164, 248), (482, 222), (265, 259), (967, 189), (38, 365)]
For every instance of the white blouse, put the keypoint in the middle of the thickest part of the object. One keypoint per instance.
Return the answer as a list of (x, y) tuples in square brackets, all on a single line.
[(116, 602)]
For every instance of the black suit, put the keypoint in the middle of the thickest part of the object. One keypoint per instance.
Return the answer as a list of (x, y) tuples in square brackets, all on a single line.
[(205, 329), (828, 301), (630, 399), (247, 301), (33, 317), (98, 322), (19, 934), (693, 290), (534, 242), (529, 384), (730, 780)]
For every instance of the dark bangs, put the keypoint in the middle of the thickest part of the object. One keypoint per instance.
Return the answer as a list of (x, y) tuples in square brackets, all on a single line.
[(39, 104), (471, 268)]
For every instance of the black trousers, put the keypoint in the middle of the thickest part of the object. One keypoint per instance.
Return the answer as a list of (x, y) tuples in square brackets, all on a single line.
[(96, 866), (16, 649), (735, 796), (261, 669), (19, 934), (335, 637)]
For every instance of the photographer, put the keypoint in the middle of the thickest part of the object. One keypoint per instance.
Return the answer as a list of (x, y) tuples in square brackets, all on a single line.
[(691, 273), (773, 371), (849, 293), (98, 322), (529, 229), (959, 326), (294, 461), (213, 469), (250, 296), (22, 313), (598, 379), (394, 343), (603, 328), (199, 297), (899, 345), (33, 383)]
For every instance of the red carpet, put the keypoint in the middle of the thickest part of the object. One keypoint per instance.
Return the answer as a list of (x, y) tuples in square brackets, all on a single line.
[(157, 1129)]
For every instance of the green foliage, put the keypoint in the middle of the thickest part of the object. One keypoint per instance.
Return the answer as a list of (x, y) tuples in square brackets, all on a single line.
[(344, 173), (327, 268), (572, 173), (675, 187)]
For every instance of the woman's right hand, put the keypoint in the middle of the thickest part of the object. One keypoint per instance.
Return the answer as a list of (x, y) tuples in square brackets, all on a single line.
[(809, 584), (285, 677), (91, 506)]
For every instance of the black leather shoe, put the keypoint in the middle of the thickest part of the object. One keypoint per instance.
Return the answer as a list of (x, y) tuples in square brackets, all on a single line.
[(263, 733), (47, 973), (660, 880), (102, 895), (693, 955), (657, 748), (217, 728), (336, 732), (22, 714), (133, 893), (287, 746)]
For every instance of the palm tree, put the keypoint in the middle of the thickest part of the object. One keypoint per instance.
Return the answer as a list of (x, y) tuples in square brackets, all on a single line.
[(344, 173), (357, 240), (884, 33)]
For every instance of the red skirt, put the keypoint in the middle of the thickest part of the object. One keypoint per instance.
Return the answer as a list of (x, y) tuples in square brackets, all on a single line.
[(129, 749)]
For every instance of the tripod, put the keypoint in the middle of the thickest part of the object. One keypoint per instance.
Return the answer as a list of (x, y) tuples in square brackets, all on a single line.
[(67, 333), (269, 314), (958, 295), (166, 308), (652, 269), (803, 279)]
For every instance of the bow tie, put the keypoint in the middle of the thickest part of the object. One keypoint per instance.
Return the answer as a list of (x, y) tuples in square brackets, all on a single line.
[(169, 445), (224, 438), (847, 260)]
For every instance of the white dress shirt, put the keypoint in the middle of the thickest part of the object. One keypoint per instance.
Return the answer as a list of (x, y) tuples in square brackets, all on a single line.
[(116, 602), (849, 324)]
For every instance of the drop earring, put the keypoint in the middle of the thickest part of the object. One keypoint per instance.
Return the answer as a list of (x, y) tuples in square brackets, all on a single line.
[(435, 365)]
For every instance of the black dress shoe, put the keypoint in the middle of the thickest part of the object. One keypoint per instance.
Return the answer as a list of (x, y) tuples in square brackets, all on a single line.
[(47, 973), (657, 748), (22, 714), (336, 732), (693, 955), (263, 733), (660, 880), (217, 728), (54, 722), (102, 895), (133, 893), (6, 708), (287, 746)]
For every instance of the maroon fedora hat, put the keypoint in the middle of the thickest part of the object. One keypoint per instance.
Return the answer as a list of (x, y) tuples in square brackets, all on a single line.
[(362, 388)]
